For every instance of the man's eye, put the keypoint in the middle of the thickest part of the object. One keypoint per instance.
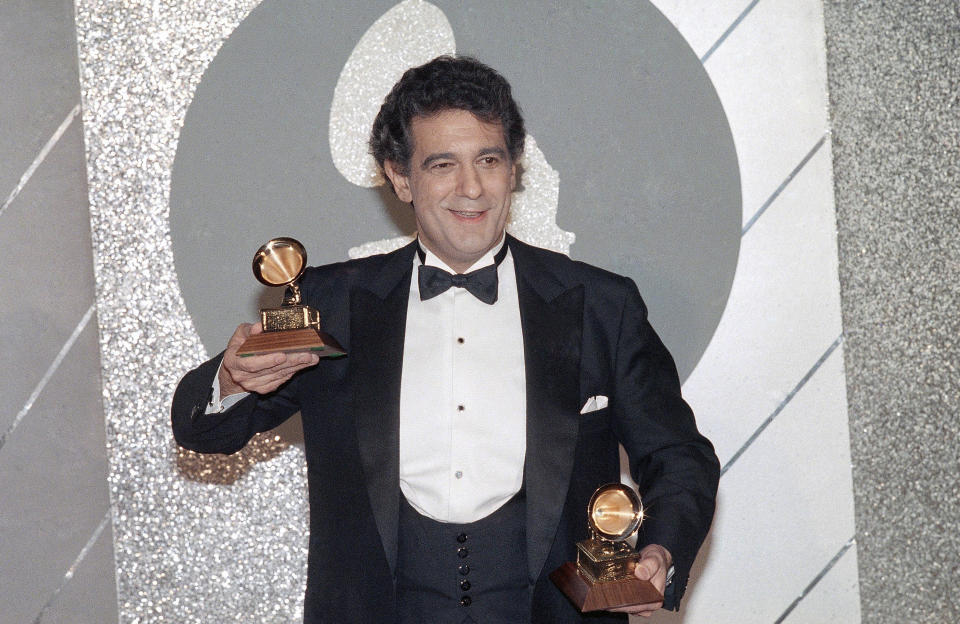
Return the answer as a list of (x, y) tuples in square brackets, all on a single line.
[(490, 161), (440, 166)]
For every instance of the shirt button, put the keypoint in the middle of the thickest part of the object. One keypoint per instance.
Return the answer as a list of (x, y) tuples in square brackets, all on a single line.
[(462, 552), (460, 408), (460, 340), (458, 474), (462, 538), (465, 601), (463, 569), (465, 585)]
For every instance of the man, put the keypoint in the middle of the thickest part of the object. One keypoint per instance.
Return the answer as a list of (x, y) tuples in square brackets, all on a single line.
[(452, 454)]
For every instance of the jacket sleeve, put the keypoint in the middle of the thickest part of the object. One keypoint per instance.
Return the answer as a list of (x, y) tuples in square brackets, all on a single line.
[(674, 466), (230, 430)]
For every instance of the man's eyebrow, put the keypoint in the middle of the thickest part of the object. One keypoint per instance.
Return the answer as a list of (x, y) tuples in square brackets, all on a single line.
[(435, 157), (493, 150)]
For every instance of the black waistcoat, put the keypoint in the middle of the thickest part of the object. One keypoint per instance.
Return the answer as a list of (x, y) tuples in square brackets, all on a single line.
[(463, 573)]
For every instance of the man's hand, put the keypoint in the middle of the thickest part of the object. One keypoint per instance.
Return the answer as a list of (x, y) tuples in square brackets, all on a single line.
[(258, 373), (654, 562)]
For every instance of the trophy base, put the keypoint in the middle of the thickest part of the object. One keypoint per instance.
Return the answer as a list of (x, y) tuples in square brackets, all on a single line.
[(587, 595), (292, 341)]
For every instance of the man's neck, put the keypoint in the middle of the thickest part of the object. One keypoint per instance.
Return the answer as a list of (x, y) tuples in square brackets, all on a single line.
[(487, 258)]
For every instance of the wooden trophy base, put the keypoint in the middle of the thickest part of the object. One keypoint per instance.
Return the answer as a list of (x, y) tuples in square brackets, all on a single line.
[(291, 341), (589, 596)]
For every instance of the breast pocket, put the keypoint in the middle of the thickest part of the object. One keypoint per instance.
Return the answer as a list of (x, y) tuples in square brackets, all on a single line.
[(597, 420)]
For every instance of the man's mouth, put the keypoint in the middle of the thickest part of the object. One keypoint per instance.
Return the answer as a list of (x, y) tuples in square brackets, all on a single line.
[(468, 214)]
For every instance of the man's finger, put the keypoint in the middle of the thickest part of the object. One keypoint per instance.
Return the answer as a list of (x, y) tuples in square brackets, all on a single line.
[(640, 609), (263, 385), (276, 362), (286, 370), (269, 380), (257, 364)]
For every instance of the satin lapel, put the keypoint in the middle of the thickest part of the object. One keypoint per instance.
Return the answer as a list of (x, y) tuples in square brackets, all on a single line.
[(377, 321), (551, 316)]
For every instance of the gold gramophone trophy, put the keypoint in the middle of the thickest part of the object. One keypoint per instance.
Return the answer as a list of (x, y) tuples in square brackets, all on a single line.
[(603, 575), (293, 326)]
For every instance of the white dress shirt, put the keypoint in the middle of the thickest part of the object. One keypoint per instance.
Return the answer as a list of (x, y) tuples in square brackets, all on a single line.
[(462, 398)]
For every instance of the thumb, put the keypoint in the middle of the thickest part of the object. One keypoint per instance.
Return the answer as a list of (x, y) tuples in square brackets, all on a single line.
[(645, 569), (239, 335)]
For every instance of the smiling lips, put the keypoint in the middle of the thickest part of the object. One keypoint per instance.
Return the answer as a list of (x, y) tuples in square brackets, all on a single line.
[(469, 214)]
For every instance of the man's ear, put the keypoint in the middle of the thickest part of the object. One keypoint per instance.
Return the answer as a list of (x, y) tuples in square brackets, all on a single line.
[(401, 183), (513, 176)]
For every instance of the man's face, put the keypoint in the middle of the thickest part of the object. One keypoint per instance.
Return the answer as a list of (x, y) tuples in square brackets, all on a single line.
[(459, 180)]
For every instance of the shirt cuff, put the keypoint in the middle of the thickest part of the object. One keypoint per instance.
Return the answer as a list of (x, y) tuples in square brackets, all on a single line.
[(217, 405)]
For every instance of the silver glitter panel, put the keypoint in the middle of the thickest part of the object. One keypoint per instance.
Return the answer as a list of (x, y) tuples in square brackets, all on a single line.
[(196, 538), (894, 79), (533, 212), (409, 34)]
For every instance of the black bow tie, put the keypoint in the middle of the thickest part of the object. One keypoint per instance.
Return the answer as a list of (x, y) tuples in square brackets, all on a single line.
[(481, 283)]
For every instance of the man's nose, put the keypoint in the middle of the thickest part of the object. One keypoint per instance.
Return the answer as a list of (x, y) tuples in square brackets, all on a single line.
[(469, 183)]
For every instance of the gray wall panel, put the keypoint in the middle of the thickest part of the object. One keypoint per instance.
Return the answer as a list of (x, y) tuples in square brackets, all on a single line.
[(89, 596), (38, 80), (48, 284), (53, 493), (56, 551)]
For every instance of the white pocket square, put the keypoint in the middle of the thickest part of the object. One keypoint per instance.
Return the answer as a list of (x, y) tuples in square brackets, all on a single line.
[(593, 404)]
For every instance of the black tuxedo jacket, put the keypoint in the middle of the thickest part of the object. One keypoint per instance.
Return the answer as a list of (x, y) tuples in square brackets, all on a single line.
[(585, 333)]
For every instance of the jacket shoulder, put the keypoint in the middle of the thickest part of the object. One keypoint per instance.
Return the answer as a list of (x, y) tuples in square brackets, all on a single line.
[(343, 276), (573, 272)]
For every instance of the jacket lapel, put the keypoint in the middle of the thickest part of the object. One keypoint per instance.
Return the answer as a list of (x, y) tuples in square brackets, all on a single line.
[(378, 313), (551, 314)]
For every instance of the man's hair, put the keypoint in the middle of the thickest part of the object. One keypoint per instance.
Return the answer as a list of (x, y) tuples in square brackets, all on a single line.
[(445, 83)]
